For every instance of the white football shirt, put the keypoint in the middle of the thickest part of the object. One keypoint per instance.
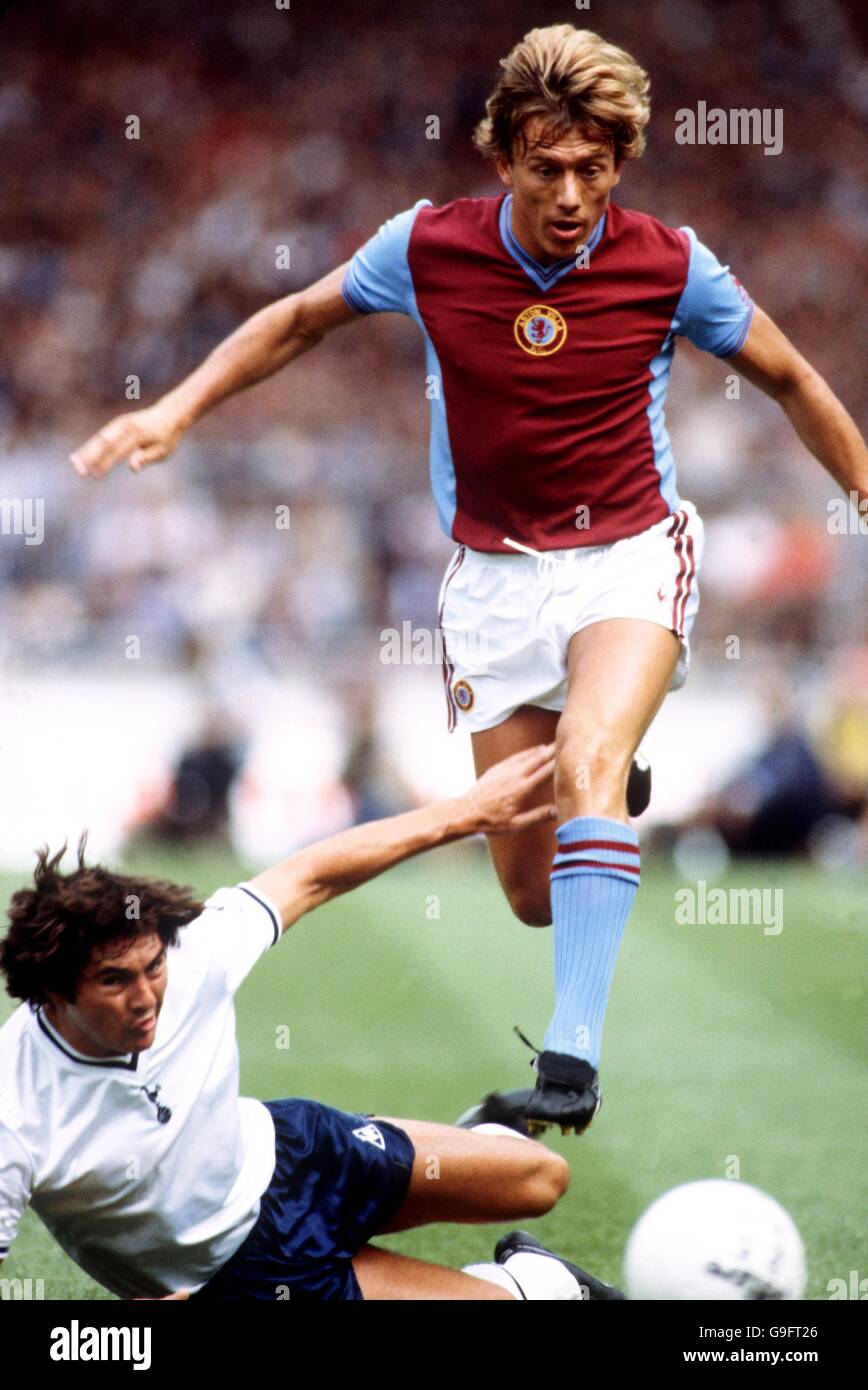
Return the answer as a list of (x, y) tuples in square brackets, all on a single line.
[(147, 1169)]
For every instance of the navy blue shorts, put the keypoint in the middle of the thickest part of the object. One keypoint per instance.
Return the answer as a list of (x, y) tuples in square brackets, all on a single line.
[(338, 1180)]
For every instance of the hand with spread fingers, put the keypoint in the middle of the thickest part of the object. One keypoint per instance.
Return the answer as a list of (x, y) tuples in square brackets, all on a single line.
[(502, 799)]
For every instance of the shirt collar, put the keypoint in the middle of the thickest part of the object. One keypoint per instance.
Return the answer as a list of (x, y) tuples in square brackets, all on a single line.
[(543, 276), (129, 1062)]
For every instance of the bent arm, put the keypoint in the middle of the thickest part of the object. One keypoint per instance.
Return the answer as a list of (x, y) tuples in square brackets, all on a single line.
[(262, 345), (771, 362), (496, 804)]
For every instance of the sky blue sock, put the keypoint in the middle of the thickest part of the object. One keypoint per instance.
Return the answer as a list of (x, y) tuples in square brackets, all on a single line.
[(595, 875)]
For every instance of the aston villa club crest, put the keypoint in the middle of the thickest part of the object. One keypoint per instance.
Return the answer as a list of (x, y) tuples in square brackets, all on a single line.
[(463, 694), (540, 330)]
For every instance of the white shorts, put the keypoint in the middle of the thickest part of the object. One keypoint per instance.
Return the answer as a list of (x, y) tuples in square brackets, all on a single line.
[(506, 619)]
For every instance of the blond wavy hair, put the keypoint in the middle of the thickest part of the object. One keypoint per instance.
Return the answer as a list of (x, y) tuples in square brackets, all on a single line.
[(567, 77)]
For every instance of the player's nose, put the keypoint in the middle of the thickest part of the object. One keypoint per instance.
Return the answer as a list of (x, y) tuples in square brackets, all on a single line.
[(569, 197), (144, 997)]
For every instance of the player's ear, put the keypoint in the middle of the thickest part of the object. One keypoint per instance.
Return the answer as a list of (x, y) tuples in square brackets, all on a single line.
[(504, 169)]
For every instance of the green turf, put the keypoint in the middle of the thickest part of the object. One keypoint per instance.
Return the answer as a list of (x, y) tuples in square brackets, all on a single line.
[(726, 1050)]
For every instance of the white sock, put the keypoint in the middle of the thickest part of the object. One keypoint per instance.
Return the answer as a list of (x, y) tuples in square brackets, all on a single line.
[(494, 1274), (491, 1128), (531, 1277), (543, 1278)]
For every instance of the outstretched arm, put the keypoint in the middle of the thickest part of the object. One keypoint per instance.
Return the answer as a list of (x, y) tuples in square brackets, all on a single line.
[(769, 360), (494, 805), (261, 346)]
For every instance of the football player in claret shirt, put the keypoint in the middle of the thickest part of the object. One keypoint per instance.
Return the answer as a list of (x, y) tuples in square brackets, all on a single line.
[(550, 316)]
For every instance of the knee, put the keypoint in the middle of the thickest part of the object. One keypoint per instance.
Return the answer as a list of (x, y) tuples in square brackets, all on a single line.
[(532, 905), (547, 1183), (595, 763)]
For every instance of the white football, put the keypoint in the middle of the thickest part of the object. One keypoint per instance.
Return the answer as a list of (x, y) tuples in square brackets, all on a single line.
[(715, 1239)]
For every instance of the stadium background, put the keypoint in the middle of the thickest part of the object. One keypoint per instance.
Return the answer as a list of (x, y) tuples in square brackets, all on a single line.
[(253, 710)]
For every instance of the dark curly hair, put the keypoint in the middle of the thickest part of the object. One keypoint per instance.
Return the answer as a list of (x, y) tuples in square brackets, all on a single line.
[(54, 926)]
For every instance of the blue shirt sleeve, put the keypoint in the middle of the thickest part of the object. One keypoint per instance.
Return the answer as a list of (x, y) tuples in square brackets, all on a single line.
[(715, 311), (378, 278)]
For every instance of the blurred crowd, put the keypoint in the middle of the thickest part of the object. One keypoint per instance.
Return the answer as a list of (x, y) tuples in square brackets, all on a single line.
[(295, 524)]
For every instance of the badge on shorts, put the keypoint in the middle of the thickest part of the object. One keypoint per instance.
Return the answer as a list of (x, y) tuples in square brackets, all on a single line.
[(540, 330), (462, 693), (369, 1134)]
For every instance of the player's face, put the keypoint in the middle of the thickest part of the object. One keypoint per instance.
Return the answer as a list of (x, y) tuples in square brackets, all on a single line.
[(559, 191), (117, 1002)]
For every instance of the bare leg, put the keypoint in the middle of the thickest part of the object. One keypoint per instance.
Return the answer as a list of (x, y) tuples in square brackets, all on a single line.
[(619, 673), (384, 1275), (466, 1177), (522, 861)]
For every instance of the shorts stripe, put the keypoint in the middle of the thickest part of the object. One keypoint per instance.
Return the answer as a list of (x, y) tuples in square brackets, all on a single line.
[(686, 570), (675, 532), (447, 667), (691, 572)]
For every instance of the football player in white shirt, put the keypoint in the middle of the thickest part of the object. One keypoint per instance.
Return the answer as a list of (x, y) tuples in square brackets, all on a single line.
[(121, 1122)]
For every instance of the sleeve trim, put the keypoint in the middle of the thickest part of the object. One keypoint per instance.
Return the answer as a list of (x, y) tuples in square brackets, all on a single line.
[(347, 293), (742, 337), (275, 921)]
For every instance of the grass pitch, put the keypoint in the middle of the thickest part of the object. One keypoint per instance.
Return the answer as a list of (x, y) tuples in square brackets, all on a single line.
[(728, 1051)]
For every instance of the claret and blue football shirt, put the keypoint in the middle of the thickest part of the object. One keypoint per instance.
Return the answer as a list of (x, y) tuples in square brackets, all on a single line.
[(551, 379)]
